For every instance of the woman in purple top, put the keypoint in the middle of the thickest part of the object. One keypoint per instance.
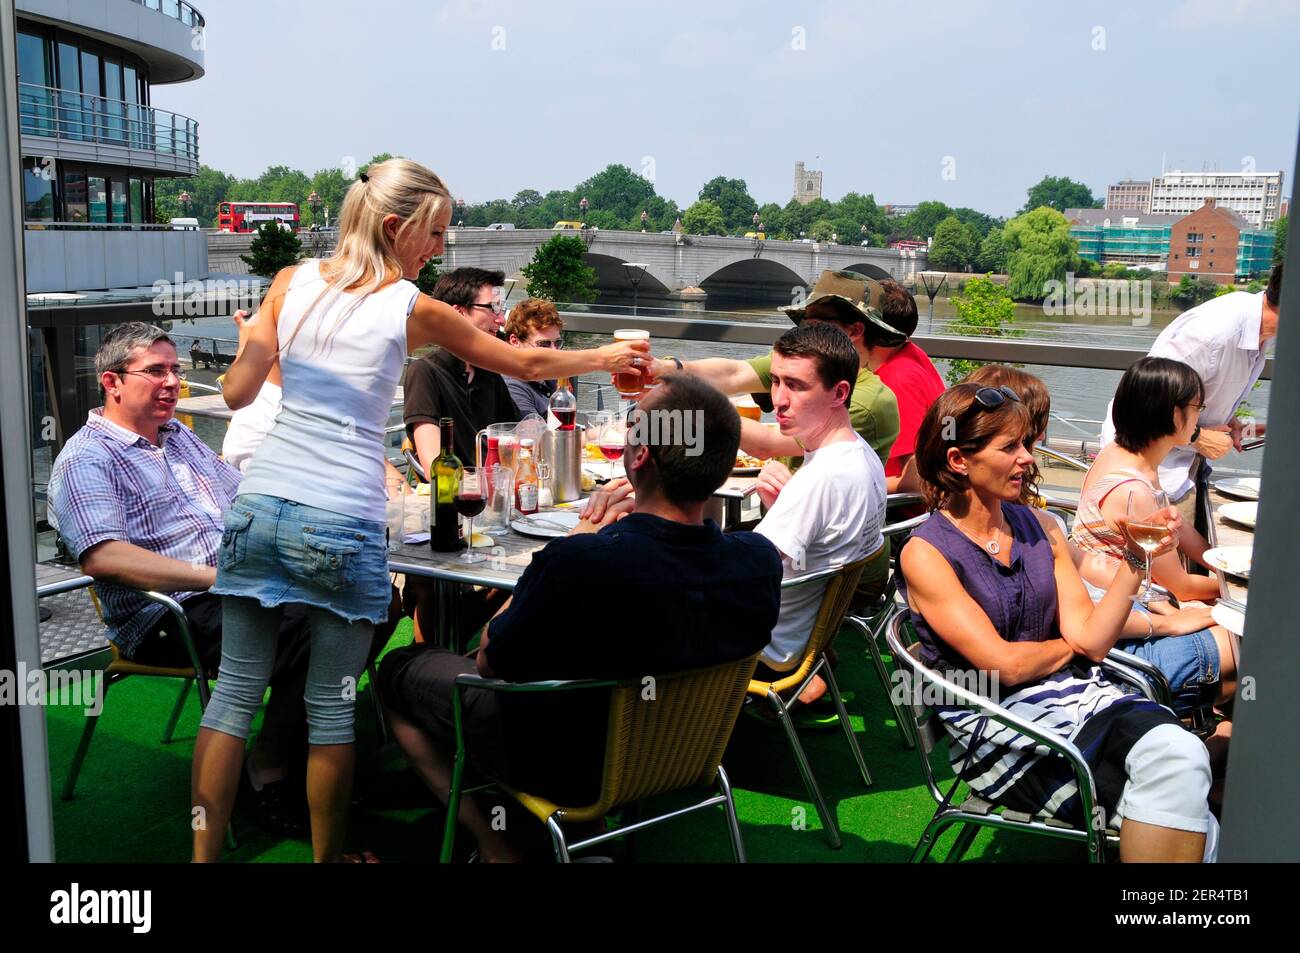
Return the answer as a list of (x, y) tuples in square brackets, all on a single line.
[(991, 587)]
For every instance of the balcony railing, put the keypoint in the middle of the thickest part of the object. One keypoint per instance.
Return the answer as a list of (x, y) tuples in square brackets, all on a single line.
[(80, 117), (177, 10)]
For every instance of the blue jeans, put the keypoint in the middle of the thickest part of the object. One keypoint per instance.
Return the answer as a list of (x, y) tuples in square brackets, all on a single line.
[(276, 552), (338, 655)]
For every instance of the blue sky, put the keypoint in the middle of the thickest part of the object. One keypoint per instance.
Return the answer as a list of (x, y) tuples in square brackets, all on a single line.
[(965, 102)]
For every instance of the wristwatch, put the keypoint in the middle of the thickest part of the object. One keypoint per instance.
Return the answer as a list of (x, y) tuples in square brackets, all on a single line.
[(680, 366)]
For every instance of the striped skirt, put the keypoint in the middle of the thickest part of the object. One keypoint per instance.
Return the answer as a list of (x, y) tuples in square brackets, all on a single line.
[(1078, 703)]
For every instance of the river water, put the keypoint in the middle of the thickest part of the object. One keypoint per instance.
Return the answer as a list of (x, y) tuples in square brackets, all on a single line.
[(1079, 395)]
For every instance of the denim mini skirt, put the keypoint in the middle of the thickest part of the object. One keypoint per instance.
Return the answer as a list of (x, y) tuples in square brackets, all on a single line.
[(277, 551)]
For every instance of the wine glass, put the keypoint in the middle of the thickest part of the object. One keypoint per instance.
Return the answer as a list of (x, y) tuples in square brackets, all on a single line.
[(612, 439), (471, 497), (1146, 526), (597, 423)]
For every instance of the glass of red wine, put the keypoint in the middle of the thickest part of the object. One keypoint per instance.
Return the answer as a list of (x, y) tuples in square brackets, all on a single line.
[(471, 497), (610, 442)]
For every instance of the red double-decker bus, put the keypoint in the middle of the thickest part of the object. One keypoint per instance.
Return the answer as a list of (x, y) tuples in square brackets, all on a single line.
[(249, 216)]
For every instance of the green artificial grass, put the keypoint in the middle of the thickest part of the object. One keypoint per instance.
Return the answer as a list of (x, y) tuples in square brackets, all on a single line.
[(132, 799)]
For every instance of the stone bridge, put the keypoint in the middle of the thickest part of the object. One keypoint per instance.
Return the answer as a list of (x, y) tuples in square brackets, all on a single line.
[(680, 266)]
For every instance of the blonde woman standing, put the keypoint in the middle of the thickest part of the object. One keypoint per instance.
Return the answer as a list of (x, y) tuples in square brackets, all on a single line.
[(308, 526)]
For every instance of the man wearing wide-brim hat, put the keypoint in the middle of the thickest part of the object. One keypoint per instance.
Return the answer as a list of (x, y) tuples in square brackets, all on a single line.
[(854, 303)]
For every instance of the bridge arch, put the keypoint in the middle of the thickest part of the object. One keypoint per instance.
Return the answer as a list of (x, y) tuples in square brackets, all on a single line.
[(870, 270), (612, 278), (754, 277)]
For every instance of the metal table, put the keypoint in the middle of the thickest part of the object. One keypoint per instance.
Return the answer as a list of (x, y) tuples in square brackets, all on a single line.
[(74, 636), (1222, 532)]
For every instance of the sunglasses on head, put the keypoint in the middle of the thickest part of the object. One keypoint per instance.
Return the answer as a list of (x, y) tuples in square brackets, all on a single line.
[(991, 398)]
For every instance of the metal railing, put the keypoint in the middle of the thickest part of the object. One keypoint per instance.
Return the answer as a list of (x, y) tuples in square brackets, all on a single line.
[(177, 10), (1005, 350), (80, 117), (37, 226)]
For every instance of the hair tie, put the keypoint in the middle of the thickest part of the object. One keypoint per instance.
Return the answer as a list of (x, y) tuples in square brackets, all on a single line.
[(363, 177)]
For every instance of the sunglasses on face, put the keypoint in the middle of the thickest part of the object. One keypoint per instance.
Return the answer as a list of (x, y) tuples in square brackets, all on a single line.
[(547, 342), (496, 307)]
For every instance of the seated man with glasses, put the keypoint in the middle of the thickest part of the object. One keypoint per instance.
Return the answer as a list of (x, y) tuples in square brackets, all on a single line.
[(440, 384), (138, 500), (534, 322)]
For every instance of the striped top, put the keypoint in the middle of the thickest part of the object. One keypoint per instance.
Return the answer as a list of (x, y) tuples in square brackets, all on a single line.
[(1092, 532), (110, 483)]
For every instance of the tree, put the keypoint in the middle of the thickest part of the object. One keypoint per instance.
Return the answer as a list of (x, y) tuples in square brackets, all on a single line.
[(616, 189), (1039, 250), (772, 219), (428, 277), (732, 197), (922, 221), (955, 245), (332, 186), (207, 190), (1279, 239), (1190, 291), (1060, 193), (992, 256), (984, 308), (559, 272), (273, 248), (704, 218)]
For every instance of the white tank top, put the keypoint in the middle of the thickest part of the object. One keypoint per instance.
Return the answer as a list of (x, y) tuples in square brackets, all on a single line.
[(327, 446)]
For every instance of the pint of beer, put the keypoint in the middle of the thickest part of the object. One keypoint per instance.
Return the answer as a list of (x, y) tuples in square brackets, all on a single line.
[(629, 385), (746, 407)]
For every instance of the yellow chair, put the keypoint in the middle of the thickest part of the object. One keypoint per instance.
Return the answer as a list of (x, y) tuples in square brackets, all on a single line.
[(671, 742), (120, 667), (841, 584)]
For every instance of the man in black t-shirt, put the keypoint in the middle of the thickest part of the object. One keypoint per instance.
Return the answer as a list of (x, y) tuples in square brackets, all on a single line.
[(442, 385), (643, 586)]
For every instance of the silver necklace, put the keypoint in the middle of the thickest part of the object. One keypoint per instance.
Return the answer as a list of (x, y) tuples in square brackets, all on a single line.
[(993, 546)]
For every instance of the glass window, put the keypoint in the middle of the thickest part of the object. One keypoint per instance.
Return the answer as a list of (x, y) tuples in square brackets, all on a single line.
[(71, 120), (90, 90), (33, 60), (35, 101), (38, 190), (137, 200), (117, 193), (114, 108), (97, 187), (74, 196)]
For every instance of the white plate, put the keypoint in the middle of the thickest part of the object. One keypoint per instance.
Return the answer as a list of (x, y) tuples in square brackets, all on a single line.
[(1234, 560), (1247, 488), (549, 525), (1243, 513), (1229, 618)]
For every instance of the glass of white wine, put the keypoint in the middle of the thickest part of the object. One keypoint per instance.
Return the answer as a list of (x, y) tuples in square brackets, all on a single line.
[(1147, 526)]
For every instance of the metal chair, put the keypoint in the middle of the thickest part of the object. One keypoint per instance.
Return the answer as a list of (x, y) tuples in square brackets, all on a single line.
[(872, 625), (972, 811), (673, 742), (840, 586), (120, 667)]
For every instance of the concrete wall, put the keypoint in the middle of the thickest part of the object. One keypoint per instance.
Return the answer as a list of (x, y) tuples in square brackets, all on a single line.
[(93, 259)]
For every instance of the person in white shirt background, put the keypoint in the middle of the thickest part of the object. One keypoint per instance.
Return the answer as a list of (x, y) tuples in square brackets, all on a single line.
[(1224, 341), (831, 511)]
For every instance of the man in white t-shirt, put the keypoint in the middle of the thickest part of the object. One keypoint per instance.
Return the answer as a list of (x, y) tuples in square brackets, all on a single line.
[(831, 511)]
